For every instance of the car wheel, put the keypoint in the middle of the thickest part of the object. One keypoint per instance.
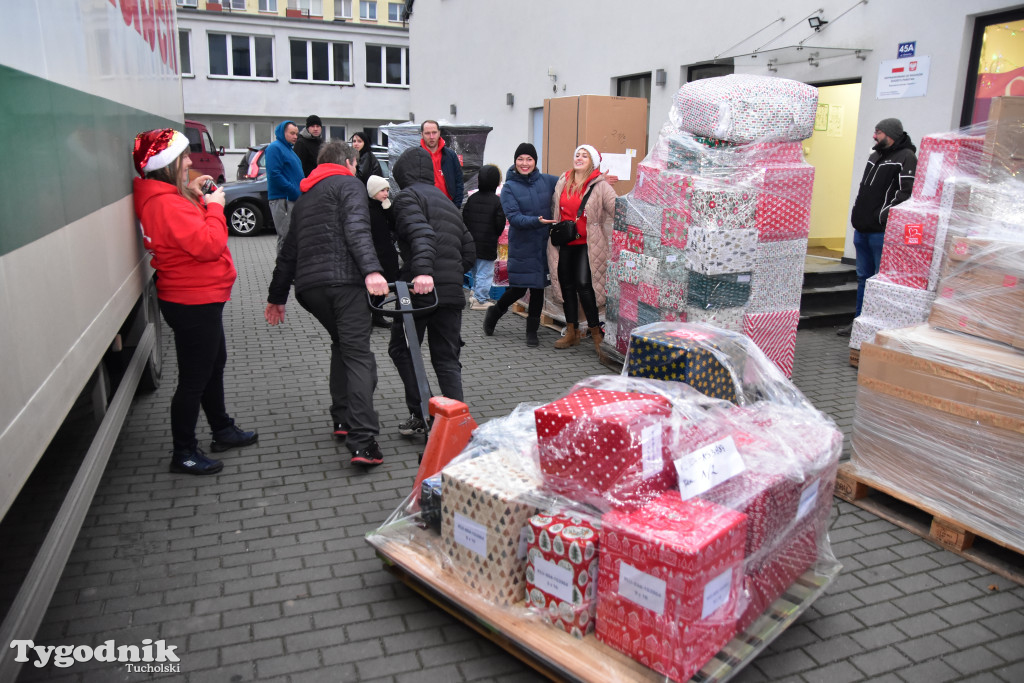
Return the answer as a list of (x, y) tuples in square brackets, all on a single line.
[(245, 219)]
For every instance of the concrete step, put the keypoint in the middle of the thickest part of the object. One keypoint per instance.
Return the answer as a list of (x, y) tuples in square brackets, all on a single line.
[(829, 295)]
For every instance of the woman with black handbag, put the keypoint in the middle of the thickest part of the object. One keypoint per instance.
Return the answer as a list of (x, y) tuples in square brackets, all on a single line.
[(584, 195)]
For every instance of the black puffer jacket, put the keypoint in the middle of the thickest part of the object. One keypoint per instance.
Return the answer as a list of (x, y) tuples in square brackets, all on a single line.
[(307, 148), (485, 220), (432, 238), (888, 180), (329, 242), (367, 165)]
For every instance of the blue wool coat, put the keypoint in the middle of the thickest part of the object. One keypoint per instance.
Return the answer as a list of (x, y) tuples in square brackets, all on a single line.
[(525, 198)]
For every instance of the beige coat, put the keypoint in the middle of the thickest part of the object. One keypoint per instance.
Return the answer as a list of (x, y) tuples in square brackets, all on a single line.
[(600, 213)]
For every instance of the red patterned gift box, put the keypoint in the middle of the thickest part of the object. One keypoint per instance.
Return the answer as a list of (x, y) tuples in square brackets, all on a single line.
[(768, 499), (629, 297), (660, 187), (634, 239), (775, 334), (668, 582), (764, 582), (913, 224), (561, 570), (623, 332), (648, 294), (944, 156), (675, 227), (606, 448), (906, 265)]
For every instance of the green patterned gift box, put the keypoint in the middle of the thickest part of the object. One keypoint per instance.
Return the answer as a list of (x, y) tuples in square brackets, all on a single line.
[(682, 355), (729, 290)]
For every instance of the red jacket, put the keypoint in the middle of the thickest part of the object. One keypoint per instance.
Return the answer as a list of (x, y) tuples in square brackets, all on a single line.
[(189, 245)]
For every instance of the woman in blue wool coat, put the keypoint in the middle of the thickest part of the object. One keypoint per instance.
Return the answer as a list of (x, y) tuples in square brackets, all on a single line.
[(526, 200)]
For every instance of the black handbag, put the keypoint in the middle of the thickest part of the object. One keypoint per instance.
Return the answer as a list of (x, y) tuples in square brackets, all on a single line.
[(563, 232)]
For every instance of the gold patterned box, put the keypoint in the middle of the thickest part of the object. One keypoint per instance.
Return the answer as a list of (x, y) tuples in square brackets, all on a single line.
[(485, 504)]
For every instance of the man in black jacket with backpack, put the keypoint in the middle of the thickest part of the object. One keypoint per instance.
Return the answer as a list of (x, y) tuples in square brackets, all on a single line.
[(888, 180), (436, 250)]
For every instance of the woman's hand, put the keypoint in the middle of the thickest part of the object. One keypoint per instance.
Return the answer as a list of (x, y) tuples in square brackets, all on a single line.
[(546, 221), (274, 313), (216, 197), (196, 185)]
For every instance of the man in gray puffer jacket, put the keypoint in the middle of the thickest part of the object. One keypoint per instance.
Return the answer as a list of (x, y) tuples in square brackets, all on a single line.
[(436, 250), (328, 253)]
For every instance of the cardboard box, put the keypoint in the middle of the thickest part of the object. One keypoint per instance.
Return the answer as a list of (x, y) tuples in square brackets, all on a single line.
[(616, 125), (982, 301), (1004, 136)]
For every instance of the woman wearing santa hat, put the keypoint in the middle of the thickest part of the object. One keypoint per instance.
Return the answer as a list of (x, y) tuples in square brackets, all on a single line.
[(185, 232), (578, 268)]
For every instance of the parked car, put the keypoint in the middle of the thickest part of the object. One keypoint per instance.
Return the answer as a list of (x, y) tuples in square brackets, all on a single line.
[(246, 206), (205, 157)]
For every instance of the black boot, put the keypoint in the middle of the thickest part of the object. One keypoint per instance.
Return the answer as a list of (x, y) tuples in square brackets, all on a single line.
[(491, 319), (379, 320), (532, 325)]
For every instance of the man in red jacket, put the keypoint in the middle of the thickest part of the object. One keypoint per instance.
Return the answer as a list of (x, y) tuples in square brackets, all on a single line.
[(447, 166)]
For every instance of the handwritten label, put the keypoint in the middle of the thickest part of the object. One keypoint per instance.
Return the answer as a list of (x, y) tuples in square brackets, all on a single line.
[(716, 593), (708, 467), (552, 579), (650, 447), (471, 535), (913, 233), (642, 589), (671, 258), (807, 499), (524, 544)]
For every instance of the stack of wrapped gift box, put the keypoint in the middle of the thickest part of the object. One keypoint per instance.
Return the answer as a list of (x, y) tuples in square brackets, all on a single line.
[(715, 229), (902, 292), (639, 511)]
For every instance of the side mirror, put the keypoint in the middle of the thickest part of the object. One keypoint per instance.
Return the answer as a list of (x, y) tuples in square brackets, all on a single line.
[(220, 152)]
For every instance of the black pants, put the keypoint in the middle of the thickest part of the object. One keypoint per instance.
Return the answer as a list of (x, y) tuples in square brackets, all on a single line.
[(202, 354), (514, 294), (574, 280), (444, 325), (345, 314)]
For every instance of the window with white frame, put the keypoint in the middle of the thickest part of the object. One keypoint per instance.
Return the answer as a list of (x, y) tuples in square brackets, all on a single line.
[(387, 65), (342, 9), (188, 3), (185, 52), (395, 11), (241, 56), (368, 9), (318, 61), (235, 4), (268, 6), (312, 7)]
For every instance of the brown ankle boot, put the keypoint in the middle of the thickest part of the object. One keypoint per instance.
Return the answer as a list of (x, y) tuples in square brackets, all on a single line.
[(597, 333), (571, 338)]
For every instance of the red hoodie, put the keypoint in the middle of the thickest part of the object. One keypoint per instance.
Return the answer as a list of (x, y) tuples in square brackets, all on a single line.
[(320, 172), (189, 244), (435, 158), (569, 204)]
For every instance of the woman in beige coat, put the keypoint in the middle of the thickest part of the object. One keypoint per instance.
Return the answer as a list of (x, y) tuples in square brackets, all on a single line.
[(581, 265)]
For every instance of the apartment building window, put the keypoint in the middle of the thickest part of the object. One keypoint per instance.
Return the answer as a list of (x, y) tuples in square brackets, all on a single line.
[(368, 9), (387, 65), (188, 3), (185, 52), (314, 60), (241, 56), (311, 7), (342, 9), (268, 5), (395, 10), (235, 4)]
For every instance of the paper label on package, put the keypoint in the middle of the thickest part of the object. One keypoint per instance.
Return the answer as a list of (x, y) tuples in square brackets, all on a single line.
[(708, 467), (671, 258), (716, 593), (642, 589), (471, 535), (524, 544), (932, 175), (650, 447), (807, 499), (742, 278), (617, 165), (552, 579)]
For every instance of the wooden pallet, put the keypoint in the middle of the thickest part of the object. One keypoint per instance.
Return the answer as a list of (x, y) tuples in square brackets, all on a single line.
[(556, 654), (920, 517), (855, 357)]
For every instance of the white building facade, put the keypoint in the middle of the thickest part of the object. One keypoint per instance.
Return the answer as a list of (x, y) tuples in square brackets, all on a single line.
[(245, 72), (510, 57)]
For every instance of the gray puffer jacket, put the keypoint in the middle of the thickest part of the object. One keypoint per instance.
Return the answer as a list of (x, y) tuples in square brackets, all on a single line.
[(329, 242)]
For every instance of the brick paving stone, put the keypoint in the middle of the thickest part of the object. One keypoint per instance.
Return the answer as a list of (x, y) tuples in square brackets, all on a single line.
[(233, 567)]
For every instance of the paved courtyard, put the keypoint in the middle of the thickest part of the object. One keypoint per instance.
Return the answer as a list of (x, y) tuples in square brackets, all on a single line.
[(262, 573)]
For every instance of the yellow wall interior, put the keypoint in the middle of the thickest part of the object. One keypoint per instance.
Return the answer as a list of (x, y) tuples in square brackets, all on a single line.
[(830, 150)]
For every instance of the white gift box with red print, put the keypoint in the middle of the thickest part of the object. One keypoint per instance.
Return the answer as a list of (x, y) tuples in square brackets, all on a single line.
[(775, 334), (607, 448), (669, 582), (712, 250), (778, 276), (944, 156), (561, 570)]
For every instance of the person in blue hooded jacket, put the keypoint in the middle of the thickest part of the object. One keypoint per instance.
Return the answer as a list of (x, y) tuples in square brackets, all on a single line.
[(284, 173), (526, 201)]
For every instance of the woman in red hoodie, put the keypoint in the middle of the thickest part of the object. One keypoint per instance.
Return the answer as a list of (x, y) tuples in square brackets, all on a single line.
[(185, 232), (580, 265)]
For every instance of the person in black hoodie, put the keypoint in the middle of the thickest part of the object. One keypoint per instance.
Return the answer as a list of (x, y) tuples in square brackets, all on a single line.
[(485, 220), (436, 250), (329, 255), (368, 164), (888, 180)]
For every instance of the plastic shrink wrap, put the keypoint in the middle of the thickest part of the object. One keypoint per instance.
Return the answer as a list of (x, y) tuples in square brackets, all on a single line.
[(715, 229), (637, 514), (467, 141)]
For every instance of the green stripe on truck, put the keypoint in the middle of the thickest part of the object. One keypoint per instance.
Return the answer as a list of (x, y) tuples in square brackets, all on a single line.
[(65, 154)]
